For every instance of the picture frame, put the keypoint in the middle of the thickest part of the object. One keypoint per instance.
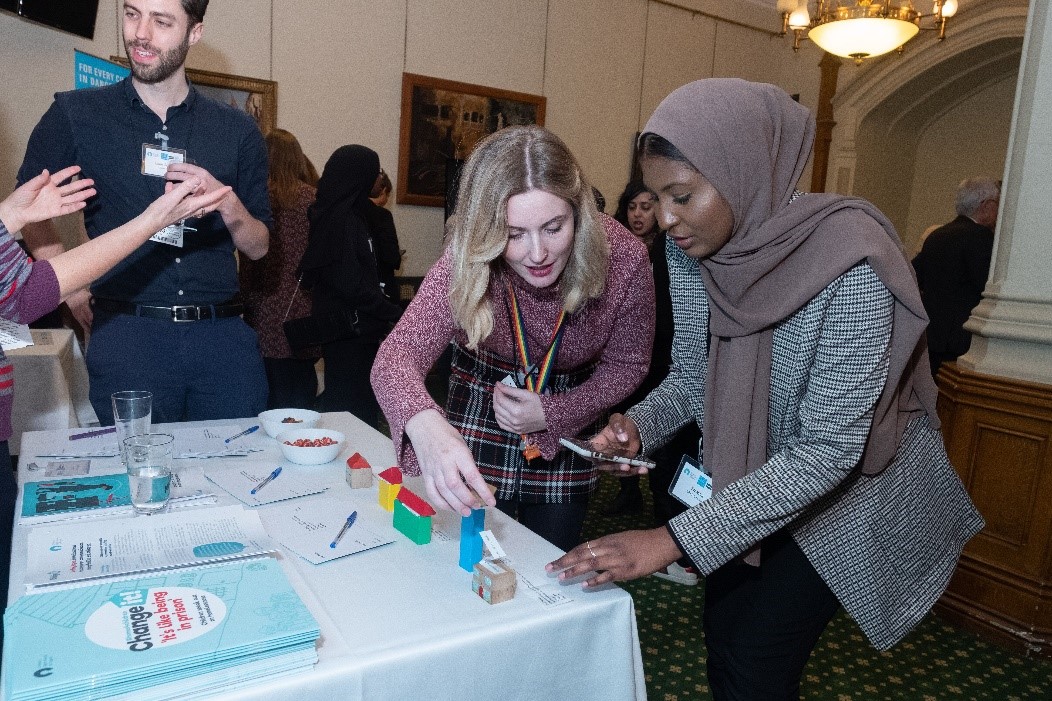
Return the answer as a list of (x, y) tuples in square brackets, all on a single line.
[(441, 121), (254, 96)]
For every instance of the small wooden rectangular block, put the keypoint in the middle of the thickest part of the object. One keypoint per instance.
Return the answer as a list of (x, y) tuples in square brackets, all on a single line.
[(493, 582), (360, 477)]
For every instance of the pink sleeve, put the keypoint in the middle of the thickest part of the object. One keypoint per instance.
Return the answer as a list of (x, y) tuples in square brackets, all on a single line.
[(406, 356)]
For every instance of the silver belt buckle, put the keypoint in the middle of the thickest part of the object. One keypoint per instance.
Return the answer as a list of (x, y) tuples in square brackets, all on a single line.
[(196, 316)]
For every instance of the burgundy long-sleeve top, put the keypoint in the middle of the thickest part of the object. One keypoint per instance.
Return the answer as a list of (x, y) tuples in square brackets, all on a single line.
[(28, 291), (614, 331)]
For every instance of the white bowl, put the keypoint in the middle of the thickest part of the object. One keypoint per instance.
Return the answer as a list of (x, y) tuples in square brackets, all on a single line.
[(310, 456), (273, 421)]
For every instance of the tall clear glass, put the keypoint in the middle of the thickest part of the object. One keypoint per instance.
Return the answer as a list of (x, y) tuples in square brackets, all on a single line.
[(132, 412)]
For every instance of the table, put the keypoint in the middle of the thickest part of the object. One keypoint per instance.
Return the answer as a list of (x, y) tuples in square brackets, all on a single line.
[(51, 385), (400, 621)]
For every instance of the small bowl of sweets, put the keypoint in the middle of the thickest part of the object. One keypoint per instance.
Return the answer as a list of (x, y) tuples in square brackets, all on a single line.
[(277, 421), (310, 446)]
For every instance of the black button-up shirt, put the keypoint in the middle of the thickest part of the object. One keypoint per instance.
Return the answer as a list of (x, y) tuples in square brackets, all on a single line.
[(103, 131)]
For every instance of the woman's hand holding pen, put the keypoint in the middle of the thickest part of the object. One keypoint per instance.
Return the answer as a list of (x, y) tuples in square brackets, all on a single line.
[(450, 476), (620, 436), (618, 557)]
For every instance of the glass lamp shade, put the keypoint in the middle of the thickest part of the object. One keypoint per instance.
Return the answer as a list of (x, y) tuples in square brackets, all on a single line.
[(862, 37)]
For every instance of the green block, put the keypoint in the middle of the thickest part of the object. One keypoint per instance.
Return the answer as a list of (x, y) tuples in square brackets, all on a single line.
[(415, 528)]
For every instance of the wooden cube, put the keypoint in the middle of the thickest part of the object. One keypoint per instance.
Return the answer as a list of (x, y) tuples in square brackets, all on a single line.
[(494, 582)]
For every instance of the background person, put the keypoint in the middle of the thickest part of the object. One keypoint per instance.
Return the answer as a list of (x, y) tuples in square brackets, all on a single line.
[(532, 268), (385, 237), (32, 289), (637, 210), (209, 368), (952, 268), (339, 267), (798, 350), (270, 285)]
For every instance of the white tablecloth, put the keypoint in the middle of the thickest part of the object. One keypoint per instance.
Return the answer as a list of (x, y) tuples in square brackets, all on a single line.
[(51, 385), (400, 622)]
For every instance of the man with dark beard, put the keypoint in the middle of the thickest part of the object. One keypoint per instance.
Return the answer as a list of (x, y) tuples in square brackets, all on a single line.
[(136, 139)]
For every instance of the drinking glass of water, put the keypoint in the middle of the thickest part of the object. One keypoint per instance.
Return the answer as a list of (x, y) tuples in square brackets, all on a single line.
[(149, 461), (131, 415)]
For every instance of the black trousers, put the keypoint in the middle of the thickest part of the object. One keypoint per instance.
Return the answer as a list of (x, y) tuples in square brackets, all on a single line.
[(761, 623), (8, 495), (347, 388), (559, 524), (293, 382)]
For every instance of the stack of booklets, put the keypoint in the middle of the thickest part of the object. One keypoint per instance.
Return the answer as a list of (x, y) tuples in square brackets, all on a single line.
[(172, 634)]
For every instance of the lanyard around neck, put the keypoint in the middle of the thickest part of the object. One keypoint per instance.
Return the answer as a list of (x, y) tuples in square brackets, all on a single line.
[(536, 376)]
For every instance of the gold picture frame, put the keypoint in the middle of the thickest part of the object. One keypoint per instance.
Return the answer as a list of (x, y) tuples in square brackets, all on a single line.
[(441, 122), (254, 96)]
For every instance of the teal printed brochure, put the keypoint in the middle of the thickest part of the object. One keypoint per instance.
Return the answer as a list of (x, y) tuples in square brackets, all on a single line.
[(69, 494), (119, 637)]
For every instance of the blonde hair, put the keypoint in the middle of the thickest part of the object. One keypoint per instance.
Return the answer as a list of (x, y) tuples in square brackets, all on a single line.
[(508, 163)]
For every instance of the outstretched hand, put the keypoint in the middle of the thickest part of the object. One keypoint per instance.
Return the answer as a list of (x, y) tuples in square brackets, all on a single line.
[(618, 557), (44, 197), (189, 198)]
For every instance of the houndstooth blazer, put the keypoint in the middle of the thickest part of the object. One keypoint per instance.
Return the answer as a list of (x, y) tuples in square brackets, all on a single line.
[(885, 544)]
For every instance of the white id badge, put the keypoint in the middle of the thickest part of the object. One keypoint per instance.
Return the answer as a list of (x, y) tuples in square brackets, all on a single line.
[(171, 235), (156, 159), (691, 485), (510, 382)]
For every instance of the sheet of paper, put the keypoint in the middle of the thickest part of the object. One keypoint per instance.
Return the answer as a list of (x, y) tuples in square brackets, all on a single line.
[(308, 528), (61, 553), (14, 336), (240, 478), (199, 442)]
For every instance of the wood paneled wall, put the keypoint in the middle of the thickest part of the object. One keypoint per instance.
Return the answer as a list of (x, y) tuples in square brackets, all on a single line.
[(998, 435)]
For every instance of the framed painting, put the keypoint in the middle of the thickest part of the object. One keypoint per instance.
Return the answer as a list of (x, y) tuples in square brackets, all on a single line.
[(254, 96), (441, 122)]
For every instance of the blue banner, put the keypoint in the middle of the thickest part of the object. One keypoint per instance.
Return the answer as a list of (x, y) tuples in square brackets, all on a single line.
[(92, 72)]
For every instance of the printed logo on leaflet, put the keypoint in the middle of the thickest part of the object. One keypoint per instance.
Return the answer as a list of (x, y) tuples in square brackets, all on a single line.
[(138, 620)]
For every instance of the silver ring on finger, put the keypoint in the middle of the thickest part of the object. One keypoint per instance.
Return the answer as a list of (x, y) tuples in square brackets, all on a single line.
[(588, 545)]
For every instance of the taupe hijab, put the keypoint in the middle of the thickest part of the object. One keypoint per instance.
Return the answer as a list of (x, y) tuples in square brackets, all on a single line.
[(752, 141)]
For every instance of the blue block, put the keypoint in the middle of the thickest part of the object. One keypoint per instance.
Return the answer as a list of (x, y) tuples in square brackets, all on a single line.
[(470, 540)]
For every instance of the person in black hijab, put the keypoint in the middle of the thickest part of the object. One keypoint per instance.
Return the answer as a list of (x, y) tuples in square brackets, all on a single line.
[(339, 267)]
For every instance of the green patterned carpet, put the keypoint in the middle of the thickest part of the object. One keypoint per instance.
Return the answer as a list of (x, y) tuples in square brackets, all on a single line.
[(935, 663)]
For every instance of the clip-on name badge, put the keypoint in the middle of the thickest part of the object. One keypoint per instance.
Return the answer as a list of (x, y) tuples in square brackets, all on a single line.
[(691, 485), (155, 162)]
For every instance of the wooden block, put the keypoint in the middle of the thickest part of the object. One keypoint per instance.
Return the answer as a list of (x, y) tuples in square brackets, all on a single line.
[(494, 582)]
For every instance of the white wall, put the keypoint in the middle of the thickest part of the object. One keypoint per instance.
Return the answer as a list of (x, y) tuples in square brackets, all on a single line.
[(602, 64), (969, 140)]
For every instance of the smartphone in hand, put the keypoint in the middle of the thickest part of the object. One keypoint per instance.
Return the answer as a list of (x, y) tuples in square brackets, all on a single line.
[(585, 450)]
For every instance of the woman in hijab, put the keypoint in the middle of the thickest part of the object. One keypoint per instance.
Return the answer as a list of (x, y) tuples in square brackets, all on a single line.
[(550, 306), (339, 268), (799, 351)]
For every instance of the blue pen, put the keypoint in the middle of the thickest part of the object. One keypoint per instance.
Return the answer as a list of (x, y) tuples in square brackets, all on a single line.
[(350, 522), (271, 476), (247, 431)]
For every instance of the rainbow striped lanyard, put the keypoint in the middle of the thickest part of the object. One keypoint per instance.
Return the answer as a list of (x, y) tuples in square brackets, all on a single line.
[(535, 376)]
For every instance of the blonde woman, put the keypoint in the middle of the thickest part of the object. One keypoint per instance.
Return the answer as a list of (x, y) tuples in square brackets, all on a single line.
[(550, 308)]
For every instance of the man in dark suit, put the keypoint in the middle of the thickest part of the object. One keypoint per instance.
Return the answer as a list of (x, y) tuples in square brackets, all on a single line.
[(953, 265)]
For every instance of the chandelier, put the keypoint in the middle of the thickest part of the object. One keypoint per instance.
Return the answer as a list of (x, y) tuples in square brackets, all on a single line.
[(861, 29)]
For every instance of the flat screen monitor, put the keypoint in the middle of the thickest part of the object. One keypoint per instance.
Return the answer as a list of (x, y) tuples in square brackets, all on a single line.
[(73, 16)]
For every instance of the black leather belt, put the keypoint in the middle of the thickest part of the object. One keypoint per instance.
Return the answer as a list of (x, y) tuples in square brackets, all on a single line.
[(182, 312)]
